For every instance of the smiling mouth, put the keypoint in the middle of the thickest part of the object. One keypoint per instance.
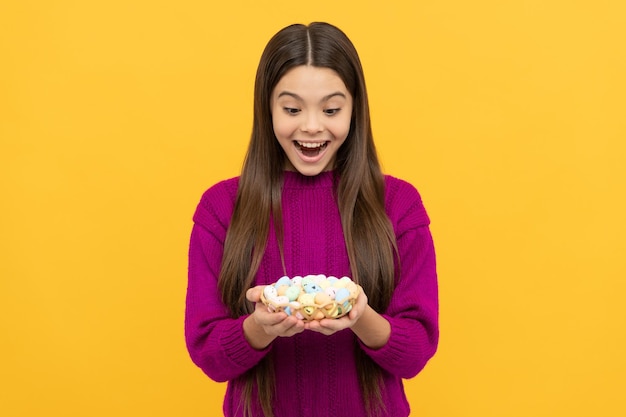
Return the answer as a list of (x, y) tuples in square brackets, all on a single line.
[(310, 149)]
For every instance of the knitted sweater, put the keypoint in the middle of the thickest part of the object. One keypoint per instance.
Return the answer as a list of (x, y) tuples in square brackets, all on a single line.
[(315, 374)]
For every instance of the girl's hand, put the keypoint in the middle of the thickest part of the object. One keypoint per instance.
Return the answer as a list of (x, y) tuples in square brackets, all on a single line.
[(263, 326), (330, 326)]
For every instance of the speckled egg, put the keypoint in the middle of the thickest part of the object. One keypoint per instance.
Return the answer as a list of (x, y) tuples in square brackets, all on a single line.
[(331, 291), (281, 300), (311, 288), (293, 292), (270, 292)]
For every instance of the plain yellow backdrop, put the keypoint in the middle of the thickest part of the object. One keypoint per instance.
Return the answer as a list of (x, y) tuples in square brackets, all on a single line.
[(509, 117)]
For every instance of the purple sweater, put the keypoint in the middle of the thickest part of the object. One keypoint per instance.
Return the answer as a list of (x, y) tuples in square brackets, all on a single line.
[(315, 374)]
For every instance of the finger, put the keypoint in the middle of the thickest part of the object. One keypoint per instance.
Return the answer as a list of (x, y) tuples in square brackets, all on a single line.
[(330, 326), (293, 325), (354, 313), (254, 294), (266, 318), (287, 327), (316, 327), (312, 325)]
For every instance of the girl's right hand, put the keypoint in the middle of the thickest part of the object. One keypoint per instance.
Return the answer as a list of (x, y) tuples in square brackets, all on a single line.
[(262, 326)]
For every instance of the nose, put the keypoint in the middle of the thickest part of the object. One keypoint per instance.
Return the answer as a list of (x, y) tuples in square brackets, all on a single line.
[(312, 123)]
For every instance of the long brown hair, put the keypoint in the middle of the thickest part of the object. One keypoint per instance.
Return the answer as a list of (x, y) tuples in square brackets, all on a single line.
[(368, 233)]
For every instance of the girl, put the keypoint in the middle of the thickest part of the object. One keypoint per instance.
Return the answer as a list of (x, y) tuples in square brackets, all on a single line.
[(311, 199)]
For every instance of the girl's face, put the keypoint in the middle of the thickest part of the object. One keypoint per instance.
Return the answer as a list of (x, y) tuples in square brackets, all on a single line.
[(311, 112)]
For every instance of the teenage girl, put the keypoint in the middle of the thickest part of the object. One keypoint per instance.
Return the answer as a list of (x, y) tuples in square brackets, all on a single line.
[(311, 199)]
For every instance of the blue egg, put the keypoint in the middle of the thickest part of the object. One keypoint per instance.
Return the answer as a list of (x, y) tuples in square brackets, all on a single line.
[(312, 288), (283, 281), (307, 280), (341, 295)]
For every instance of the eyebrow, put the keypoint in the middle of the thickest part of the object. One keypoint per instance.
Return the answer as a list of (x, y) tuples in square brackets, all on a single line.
[(325, 98)]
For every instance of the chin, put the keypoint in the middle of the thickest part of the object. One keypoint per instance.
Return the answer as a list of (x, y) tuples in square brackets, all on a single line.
[(310, 171)]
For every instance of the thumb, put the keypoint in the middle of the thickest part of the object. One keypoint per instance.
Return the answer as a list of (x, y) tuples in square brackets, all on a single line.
[(254, 294)]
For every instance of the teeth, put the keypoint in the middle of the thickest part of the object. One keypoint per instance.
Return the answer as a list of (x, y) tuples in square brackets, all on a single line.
[(309, 145)]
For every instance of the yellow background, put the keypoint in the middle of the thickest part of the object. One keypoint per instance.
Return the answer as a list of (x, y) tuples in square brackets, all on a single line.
[(509, 116)]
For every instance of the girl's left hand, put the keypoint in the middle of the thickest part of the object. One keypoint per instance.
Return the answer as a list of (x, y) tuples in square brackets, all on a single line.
[(330, 326)]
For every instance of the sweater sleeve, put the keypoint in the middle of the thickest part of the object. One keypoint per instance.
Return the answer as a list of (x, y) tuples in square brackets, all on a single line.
[(414, 307), (215, 341)]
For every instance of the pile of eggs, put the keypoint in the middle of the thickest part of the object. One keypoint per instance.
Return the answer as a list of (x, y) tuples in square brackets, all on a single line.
[(312, 297)]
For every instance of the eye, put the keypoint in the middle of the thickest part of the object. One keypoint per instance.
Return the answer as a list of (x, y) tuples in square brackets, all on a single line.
[(331, 112), (291, 110)]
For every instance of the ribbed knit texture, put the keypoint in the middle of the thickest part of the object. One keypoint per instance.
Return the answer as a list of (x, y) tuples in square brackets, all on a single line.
[(316, 374)]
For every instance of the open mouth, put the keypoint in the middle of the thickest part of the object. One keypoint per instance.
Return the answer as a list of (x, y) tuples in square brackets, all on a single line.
[(310, 149)]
